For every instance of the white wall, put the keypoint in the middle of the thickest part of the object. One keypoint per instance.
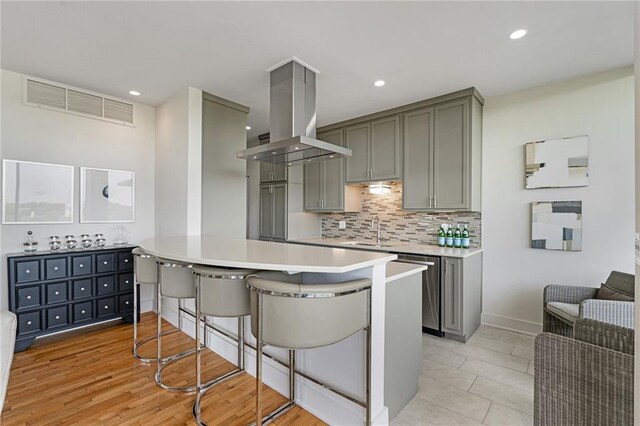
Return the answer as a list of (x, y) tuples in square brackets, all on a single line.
[(178, 156), (637, 194), (38, 134), (601, 106)]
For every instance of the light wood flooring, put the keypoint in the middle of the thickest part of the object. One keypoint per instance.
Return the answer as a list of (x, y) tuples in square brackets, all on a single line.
[(89, 377)]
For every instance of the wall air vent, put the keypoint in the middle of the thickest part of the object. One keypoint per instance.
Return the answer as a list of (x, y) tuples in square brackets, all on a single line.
[(51, 95)]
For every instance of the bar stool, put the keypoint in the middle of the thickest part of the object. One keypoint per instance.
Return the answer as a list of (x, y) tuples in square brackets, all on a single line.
[(219, 293), (175, 280), (145, 272), (303, 316)]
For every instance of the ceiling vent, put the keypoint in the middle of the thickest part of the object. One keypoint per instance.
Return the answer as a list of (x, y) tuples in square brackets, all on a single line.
[(64, 98)]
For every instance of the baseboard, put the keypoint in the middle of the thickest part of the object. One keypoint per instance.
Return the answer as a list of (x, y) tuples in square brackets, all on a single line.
[(317, 400), (511, 324), (146, 306)]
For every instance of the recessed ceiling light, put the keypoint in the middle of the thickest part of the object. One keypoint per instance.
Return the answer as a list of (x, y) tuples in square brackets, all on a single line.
[(273, 152), (296, 147), (248, 127), (379, 83), (518, 34), (134, 93)]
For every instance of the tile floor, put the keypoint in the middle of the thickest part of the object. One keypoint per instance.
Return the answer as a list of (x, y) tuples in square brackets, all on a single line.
[(488, 380)]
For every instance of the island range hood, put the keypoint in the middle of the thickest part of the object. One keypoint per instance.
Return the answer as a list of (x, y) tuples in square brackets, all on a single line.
[(292, 119)]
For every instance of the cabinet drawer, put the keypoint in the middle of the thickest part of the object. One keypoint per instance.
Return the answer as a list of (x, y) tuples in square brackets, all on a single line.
[(27, 271), (81, 265), (105, 263), (125, 282), (106, 306), (82, 312), (106, 285), (82, 288), (28, 297), (29, 323), (55, 268), (56, 293), (125, 261), (125, 302), (57, 317)]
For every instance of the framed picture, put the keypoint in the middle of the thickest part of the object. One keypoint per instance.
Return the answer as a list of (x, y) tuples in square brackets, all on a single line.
[(556, 225), (36, 192), (557, 163), (106, 195)]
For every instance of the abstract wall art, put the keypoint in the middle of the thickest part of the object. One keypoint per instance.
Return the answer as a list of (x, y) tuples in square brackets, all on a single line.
[(557, 163), (106, 195), (556, 225)]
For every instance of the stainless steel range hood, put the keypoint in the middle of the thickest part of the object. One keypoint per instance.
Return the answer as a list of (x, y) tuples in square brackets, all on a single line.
[(292, 114)]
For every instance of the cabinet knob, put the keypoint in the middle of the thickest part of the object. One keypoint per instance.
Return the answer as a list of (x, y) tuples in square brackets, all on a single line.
[(28, 297), (105, 285), (126, 261), (55, 268), (105, 262), (57, 316), (106, 306), (126, 303), (81, 288), (28, 322), (83, 311), (57, 293), (126, 282), (81, 265), (28, 271)]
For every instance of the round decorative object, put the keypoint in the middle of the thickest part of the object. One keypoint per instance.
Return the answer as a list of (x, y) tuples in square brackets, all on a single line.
[(70, 242), (100, 240), (86, 242), (54, 243), (31, 245)]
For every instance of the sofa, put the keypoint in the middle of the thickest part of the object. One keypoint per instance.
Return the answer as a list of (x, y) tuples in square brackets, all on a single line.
[(7, 343), (586, 379), (563, 305)]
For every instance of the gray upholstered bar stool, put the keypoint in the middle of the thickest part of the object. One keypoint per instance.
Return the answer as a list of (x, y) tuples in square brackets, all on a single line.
[(145, 272), (291, 315), (175, 280), (219, 293)]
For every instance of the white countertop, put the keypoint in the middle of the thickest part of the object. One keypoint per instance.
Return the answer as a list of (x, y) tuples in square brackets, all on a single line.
[(261, 255), (397, 270), (392, 247)]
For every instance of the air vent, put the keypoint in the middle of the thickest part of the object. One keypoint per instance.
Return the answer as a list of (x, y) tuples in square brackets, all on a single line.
[(73, 100)]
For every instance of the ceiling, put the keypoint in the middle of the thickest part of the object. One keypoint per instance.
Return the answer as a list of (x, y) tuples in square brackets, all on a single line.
[(421, 49)]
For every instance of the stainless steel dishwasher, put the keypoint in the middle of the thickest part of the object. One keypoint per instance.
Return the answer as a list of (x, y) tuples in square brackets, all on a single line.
[(430, 291)]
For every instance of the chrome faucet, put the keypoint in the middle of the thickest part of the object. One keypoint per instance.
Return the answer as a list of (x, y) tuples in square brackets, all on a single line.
[(374, 220)]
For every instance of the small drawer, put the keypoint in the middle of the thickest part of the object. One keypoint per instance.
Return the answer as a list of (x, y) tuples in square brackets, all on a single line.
[(28, 297), (55, 268), (125, 302), (82, 289), (56, 293), (106, 306), (81, 265), (125, 282), (82, 312), (27, 271), (125, 261), (29, 323), (57, 317), (106, 285), (105, 263)]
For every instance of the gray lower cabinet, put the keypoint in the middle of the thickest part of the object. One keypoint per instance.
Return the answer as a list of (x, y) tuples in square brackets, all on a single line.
[(442, 156), (461, 296), (376, 150), (273, 211), (324, 180)]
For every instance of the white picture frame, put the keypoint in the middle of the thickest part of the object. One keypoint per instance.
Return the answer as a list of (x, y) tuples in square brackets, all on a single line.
[(557, 163), (37, 193), (107, 195)]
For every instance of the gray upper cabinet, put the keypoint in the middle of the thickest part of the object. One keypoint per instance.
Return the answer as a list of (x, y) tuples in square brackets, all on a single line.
[(376, 150), (324, 180), (442, 156), (273, 211)]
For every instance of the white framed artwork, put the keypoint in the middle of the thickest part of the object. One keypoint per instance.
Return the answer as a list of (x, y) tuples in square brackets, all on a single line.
[(36, 193), (106, 196), (557, 163)]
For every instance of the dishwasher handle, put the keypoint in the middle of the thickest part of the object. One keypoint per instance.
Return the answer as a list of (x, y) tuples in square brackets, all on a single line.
[(416, 262)]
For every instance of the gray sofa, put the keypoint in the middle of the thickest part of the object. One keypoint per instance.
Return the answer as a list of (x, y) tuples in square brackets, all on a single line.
[(563, 305), (587, 379)]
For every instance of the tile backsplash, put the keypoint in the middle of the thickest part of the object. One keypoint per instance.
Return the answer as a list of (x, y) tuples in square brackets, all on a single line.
[(397, 224)]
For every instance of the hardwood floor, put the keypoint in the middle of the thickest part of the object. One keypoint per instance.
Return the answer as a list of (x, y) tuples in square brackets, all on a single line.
[(89, 377)]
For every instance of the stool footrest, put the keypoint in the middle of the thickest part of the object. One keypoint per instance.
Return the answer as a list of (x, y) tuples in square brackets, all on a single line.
[(147, 340), (208, 386), (171, 360), (276, 413)]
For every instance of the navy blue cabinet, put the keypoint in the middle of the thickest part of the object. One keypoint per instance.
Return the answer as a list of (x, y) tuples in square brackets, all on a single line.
[(50, 292)]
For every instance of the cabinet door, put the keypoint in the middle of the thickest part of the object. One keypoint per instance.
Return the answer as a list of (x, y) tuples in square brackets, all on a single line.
[(451, 297), (270, 172), (451, 164), (313, 186), (279, 173), (266, 212), (333, 175), (279, 195), (357, 139), (418, 145), (266, 171), (385, 149)]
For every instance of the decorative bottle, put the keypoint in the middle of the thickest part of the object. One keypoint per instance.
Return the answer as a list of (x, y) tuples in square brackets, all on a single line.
[(457, 238), (441, 236), (450, 236), (465, 237)]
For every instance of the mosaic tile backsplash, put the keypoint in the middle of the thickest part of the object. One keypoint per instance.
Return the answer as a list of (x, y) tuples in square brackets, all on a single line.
[(397, 224)]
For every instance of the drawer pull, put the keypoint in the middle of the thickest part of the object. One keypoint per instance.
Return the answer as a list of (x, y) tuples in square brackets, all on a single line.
[(81, 288), (55, 268), (126, 282), (28, 271), (106, 306), (28, 297), (126, 303), (105, 285), (28, 322), (105, 262), (57, 316), (81, 265), (126, 261), (83, 311), (57, 293)]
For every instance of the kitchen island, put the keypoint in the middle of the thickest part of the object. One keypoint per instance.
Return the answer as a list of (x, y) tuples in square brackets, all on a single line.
[(340, 366)]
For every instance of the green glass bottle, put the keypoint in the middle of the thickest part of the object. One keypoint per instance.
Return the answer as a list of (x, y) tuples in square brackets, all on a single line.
[(465, 237), (441, 236), (457, 237), (450, 236)]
